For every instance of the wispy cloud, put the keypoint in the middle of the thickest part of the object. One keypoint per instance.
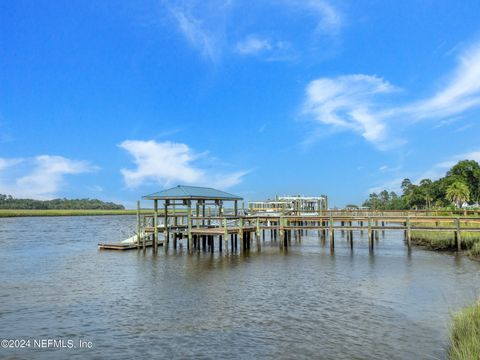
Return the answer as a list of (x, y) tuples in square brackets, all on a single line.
[(352, 102), (438, 170), (389, 185), (211, 26), (202, 23), (329, 19), (269, 50), (348, 102), (462, 91), (167, 163), (435, 172), (40, 177), (253, 45)]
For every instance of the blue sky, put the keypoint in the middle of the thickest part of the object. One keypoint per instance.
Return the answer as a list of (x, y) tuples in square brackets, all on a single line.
[(114, 100)]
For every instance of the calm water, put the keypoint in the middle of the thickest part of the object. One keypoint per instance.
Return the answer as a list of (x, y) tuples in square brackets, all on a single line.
[(306, 303)]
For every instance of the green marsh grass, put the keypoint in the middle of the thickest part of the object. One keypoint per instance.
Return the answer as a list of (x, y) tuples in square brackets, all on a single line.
[(465, 334), (445, 240)]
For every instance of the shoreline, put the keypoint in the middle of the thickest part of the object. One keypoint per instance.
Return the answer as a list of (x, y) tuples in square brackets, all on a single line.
[(9, 213)]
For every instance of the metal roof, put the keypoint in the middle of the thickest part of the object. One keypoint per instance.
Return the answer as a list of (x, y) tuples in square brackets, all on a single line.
[(183, 192)]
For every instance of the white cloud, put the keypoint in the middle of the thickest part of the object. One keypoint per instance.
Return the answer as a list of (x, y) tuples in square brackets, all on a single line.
[(253, 45), (389, 185), (209, 27), (435, 172), (41, 177), (346, 102), (329, 20), (196, 34), (462, 92), (202, 23), (6, 163), (438, 170), (167, 163), (352, 102)]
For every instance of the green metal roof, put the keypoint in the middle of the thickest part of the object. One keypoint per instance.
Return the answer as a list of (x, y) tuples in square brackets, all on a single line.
[(182, 192)]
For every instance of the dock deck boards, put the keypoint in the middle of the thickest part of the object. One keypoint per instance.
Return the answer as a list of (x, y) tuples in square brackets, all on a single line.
[(122, 246)]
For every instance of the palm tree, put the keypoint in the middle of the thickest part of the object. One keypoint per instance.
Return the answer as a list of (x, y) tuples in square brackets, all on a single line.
[(458, 192)]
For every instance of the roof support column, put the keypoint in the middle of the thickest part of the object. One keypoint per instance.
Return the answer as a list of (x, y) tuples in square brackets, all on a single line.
[(165, 228), (155, 225), (189, 224)]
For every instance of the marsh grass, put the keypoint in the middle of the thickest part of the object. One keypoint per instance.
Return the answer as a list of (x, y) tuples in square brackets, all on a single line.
[(445, 240), (465, 334)]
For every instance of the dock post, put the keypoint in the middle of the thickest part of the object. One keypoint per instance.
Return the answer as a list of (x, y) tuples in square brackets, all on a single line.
[(240, 234), (257, 233), (225, 234), (332, 233), (139, 235), (155, 225), (165, 228), (351, 236), (197, 215), (409, 233), (377, 237), (458, 236), (175, 219), (281, 233), (370, 234), (189, 226)]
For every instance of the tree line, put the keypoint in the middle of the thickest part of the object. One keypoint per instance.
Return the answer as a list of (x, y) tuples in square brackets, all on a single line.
[(460, 185), (9, 202)]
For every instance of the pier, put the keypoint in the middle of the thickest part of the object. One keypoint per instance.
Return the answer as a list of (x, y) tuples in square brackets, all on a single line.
[(198, 219)]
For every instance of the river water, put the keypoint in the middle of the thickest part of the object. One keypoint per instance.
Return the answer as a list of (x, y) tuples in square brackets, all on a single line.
[(301, 303)]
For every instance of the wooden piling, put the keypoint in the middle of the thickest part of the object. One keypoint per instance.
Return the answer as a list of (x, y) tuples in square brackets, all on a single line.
[(139, 230), (189, 226), (257, 233), (165, 229), (240, 234), (409, 233), (332, 234), (370, 234), (281, 233), (225, 234), (458, 235), (155, 225)]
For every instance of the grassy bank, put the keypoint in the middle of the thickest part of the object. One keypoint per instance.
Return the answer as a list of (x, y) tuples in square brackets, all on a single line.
[(465, 334), (445, 241), (70, 212)]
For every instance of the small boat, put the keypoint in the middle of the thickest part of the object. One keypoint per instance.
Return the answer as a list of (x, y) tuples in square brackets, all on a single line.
[(133, 239)]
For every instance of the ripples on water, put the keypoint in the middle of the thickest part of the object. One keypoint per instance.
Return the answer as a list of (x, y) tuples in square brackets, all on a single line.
[(303, 303)]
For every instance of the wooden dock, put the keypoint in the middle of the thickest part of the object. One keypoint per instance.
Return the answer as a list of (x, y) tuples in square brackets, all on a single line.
[(286, 217), (232, 233)]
